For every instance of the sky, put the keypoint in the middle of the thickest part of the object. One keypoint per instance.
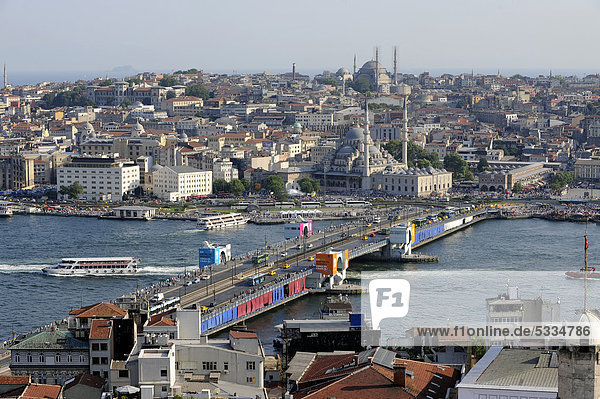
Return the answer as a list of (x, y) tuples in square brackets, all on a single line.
[(41, 36)]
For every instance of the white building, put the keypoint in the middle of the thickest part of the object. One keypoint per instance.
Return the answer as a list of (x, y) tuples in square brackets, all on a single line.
[(314, 120), (103, 179), (223, 169), (156, 368), (174, 183), (512, 373)]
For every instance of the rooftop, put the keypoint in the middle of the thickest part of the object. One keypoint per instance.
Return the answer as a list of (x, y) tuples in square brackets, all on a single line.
[(41, 391), (100, 329), (99, 310), (54, 339)]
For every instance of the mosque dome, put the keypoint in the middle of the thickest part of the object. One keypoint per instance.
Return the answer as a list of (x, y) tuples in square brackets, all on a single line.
[(138, 104), (342, 71), (346, 150), (356, 133)]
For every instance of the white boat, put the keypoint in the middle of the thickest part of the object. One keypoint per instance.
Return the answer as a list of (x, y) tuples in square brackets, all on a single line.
[(6, 209), (93, 267), (221, 221)]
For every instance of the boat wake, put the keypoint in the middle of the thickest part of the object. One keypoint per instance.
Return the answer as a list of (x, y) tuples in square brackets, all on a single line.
[(6, 269)]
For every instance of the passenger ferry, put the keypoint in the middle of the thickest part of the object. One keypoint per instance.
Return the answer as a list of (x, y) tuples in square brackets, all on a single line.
[(93, 267), (6, 209), (222, 221)]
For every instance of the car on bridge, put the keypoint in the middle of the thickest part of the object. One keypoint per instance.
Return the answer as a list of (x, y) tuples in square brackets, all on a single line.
[(272, 273), (188, 283), (311, 258), (196, 280), (286, 266), (283, 254)]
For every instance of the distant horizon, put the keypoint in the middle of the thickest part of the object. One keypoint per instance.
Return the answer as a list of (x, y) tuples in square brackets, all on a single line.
[(21, 78)]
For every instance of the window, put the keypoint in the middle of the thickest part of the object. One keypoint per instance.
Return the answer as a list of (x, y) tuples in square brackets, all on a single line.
[(250, 379), (69, 358), (163, 372), (81, 359), (57, 358), (95, 347), (17, 358), (225, 366), (123, 373), (103, 360), (95, 360), (209, 366), (42, 358), (164, 388), (29, 358), (250, 366), (103, 347)]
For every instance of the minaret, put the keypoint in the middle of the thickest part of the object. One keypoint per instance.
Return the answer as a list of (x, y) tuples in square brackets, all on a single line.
[(395, 65), (294, 71), (5, 79), (404, 90), (366, 180), (354, 64), (377, 69)]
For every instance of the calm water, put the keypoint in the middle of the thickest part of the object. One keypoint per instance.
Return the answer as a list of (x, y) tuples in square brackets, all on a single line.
[(474, 264)]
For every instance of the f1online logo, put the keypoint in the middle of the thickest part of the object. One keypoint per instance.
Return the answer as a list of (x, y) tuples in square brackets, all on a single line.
[(389, 299)]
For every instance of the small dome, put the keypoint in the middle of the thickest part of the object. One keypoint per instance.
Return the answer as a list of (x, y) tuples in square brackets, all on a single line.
[(342, 71), (156, 167), (356, 133), (138, 104), (137, 129), (346, 150)]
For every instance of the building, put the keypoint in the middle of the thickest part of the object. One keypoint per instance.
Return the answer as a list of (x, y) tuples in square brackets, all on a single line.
[(16, 173), (100, 347), (224, 169), (587, 169), (413, 182), (84, 386), (228, 367), (50, 357), (500, 179), (102, 179), (507, 373), (183, 106), (175, 183)]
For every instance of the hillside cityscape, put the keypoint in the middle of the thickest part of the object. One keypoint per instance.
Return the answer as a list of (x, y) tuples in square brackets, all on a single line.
[(288, 230)]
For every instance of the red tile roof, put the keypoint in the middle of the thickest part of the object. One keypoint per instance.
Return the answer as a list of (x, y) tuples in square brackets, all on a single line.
[(41, 391), (322, 366), (99, 311), (14, 380), (100, 329), (160, 321), (421, 380)]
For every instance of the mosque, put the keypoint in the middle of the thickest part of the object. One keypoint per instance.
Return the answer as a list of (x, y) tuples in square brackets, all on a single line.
[(361, 165)]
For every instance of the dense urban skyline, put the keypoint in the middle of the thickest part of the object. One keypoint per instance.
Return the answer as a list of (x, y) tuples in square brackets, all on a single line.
[(239, 36)]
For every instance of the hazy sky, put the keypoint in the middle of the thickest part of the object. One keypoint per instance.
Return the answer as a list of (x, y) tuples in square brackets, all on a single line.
[(247, 35)]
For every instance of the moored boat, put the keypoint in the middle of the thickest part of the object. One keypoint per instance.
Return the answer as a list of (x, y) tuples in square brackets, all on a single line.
[(6, 209), (93, 266)]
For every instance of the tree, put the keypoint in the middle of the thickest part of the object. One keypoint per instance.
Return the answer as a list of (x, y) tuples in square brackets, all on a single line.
[(168, 81), (170, 94), (125, 197), (105, 83), (561, 180), (110, 101), (458, 166), (72, 191), (126, 103), (415, 154), (197, 90), (423, 163), (483, 165), (517, 188), (308, 185), (134, 81), (275, 185), (327, 81), (246, 184), (362, 85), (220, 186), (236, 187)]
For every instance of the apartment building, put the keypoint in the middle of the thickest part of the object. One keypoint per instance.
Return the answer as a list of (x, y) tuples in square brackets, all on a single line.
[(103, 179), (175, 183)]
